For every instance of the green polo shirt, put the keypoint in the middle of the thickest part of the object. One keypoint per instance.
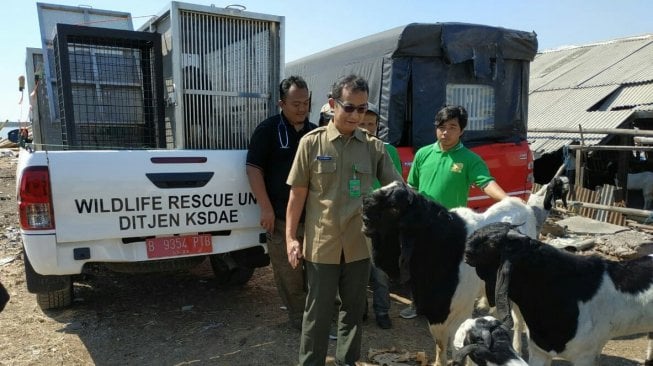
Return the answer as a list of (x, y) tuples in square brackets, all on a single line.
[(446, 176), (396, 161), (325, 163)]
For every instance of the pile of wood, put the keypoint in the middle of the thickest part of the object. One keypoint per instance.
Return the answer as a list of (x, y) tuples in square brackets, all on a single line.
[(5, 143), (601, 205)]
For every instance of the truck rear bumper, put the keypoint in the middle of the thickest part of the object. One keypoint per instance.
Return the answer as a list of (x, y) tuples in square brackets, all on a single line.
[(51, 258)]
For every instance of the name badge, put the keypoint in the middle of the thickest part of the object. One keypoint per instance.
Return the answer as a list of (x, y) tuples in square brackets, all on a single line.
[(324, 157), (354, 188)]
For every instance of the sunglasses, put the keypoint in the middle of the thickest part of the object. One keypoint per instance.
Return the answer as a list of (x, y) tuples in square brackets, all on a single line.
[(348, 108)]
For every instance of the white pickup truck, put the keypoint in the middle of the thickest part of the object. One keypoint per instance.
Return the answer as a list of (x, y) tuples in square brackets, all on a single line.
[(135, 211), (140, 141)]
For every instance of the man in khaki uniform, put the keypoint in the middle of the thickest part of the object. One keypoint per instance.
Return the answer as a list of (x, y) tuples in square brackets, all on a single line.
[(335, 166)]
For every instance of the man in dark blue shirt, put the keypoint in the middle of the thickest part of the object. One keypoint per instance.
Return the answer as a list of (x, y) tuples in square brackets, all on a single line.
[(272, 149)]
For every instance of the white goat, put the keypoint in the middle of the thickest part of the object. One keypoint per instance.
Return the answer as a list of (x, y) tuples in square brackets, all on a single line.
[(643, 181)]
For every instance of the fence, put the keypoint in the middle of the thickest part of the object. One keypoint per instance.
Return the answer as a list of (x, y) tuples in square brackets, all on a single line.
[(599, 205)]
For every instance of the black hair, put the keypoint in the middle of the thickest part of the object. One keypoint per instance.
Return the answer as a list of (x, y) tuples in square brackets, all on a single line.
[(351, 82), (286, 83), (450, 112), (324, 119)]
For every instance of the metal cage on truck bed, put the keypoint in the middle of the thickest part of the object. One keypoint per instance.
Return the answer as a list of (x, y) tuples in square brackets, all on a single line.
[(221, 70), (109, 88)]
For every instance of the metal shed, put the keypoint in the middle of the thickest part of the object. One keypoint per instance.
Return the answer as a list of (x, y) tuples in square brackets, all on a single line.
[(601, 85)]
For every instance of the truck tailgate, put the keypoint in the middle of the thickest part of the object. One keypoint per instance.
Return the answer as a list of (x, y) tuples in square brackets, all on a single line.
[(120, 194)]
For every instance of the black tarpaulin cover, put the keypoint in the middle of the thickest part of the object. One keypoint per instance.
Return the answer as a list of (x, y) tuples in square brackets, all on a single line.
[(408, 69)]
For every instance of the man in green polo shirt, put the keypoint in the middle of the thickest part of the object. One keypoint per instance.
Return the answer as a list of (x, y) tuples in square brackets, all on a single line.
[(445, 170)]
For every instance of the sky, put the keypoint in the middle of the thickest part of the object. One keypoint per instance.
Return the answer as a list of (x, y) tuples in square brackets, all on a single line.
[(312, 26)]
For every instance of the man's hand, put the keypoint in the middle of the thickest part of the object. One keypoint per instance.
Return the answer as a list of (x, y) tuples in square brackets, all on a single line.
[(267, 219), (294, 250)]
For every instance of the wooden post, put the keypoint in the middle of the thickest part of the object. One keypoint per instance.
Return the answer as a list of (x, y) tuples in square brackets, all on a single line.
[(623, 166), (580, 169)]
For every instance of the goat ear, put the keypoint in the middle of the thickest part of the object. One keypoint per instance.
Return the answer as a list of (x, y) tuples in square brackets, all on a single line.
[(501, 292), (487, 337), (513, 244), (461, 354), (490, 288), (564, 200)]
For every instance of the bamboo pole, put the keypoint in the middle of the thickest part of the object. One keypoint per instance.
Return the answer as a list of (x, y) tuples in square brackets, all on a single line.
[(610, 147), (643, 140), (605, 131), (623, 210)]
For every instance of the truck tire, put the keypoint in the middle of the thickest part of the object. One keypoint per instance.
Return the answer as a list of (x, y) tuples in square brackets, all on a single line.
[(51, 291), (228, 272), (55, 299)]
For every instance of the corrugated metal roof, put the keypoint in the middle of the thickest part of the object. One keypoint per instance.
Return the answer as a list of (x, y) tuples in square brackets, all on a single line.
[(594, 86), (546, 107), (636, 67), (573, 67), (630, 96)]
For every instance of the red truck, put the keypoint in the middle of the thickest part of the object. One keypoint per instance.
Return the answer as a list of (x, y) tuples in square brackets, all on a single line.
[(414, 70)]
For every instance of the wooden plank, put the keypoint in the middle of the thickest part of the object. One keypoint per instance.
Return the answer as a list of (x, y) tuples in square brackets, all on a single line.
[(588, 196)]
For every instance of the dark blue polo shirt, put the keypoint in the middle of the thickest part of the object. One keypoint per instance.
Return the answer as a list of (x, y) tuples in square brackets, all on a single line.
[(272, 148)]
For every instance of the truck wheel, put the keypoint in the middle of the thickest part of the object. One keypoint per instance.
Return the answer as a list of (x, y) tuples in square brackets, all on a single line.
[(228, 272), (55, 299), (51, 291)]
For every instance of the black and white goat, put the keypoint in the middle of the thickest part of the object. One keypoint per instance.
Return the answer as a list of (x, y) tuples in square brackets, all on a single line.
[(543, 200), (487, 342), (572, 304), (4, 297), (443, 286)]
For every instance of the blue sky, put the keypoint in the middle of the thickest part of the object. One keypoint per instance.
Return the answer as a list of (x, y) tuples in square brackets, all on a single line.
[(313, 26)]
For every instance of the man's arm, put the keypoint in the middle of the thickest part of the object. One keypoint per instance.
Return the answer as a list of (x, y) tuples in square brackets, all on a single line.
[(293, 214), (494, 190), (257, 184)]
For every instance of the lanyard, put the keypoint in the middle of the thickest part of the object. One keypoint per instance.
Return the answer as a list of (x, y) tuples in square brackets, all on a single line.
[(281, 124)]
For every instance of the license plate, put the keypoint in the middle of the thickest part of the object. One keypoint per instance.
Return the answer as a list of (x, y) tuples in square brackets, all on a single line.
[(172, 246)]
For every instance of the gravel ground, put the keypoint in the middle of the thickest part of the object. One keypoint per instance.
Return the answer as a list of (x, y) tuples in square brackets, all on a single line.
[(185, 318)]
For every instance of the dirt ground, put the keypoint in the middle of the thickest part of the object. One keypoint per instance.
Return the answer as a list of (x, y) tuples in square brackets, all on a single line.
[(180, 318)]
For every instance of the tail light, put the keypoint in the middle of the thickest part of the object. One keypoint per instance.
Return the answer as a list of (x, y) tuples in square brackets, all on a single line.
[(35, 200)]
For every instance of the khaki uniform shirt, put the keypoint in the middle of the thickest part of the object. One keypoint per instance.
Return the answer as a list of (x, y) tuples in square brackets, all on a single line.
[(325, 163)]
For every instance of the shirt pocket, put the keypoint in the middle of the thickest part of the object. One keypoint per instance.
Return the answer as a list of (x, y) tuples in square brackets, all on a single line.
[(325, 174), (364, 173)]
